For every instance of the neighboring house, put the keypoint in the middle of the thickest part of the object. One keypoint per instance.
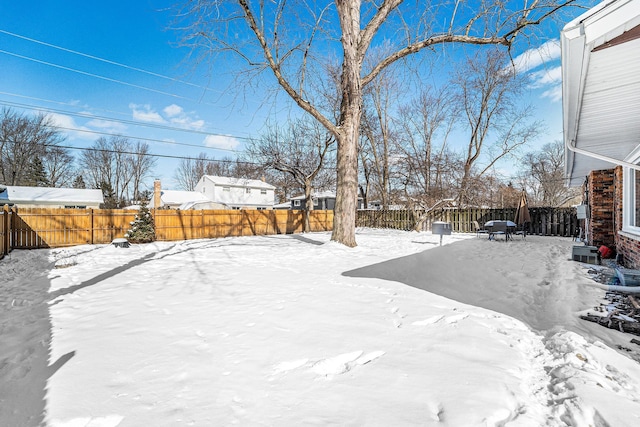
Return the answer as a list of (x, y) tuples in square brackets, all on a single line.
[(49, 197), (237, 193), (173, 199), (601, 100), (322, 201)]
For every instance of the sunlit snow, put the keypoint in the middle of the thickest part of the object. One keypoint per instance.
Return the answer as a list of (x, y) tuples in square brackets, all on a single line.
[(295, 330)]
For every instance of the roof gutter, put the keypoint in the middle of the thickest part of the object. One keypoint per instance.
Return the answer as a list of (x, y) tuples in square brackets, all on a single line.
[(571, 145)]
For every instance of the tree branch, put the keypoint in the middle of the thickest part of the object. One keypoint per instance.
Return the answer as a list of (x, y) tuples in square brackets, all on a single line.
[(431, 41), (277, 72)]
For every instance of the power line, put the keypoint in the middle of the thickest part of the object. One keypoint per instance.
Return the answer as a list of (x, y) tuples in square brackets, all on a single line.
[(166, 156), (107, 61), (131, 122), (109, 79), (68, 104), (140, 138)]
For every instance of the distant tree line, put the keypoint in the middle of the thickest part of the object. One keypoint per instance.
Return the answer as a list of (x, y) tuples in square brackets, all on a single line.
[(416, 148), (32, 154)]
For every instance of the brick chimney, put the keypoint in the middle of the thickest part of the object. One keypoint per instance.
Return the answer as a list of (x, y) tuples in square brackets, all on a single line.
[(157, 189)]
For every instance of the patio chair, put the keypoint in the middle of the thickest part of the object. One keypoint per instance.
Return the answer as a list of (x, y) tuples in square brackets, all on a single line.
[(479, 230)]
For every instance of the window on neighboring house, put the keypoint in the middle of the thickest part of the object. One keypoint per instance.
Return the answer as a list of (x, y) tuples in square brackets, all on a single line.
[(226, 188), (296, 203), (263, 191), (260, 208), (247, 190), (203, 190), (315, 202)]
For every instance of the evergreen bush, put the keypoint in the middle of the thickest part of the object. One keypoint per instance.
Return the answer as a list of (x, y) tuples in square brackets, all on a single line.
[(142, 227)]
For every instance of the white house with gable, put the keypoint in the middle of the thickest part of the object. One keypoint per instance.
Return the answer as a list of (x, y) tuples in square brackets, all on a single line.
[(237, 193), (49, 197)]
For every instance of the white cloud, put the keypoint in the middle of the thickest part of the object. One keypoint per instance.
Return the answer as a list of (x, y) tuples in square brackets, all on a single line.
[(171, 114), (546, 77), (68, 125), (108, 126), (554, 93), (173, 110), (221, 141), (178, 117), (187, 122), (533, 58), (145, 113)]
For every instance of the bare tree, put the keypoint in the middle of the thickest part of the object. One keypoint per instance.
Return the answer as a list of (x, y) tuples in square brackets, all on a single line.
[(186, 175), (291, 40), (117, 167), (542, 174), (488, 92), (141, 165), (58, 165), (23, 141), (430, 168), (377, 132), (299, 150)]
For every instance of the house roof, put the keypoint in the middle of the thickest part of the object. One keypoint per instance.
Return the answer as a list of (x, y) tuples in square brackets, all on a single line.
[(178, 197), (19, 194), (238, 182), (601, 88), (318, 195)]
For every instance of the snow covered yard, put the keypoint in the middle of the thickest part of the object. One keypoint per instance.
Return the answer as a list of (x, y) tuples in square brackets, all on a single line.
[(295, 330)]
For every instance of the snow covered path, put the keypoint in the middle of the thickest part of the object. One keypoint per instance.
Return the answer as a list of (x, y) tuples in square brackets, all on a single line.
[(296, 330)]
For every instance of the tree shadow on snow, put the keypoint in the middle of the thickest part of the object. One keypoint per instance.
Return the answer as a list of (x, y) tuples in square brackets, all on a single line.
[(26, 332), (470, 272), (25, 327)]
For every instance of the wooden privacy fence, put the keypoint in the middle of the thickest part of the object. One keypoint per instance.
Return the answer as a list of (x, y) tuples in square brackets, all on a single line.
[(34, 228), (22, 228), (544, 221), (183, 225)]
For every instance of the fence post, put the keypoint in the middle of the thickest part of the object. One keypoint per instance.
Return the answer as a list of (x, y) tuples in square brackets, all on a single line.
[(91, 224), (7, 231)]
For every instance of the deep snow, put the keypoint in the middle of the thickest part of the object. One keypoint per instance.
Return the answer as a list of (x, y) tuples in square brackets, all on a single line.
[(295, 330)]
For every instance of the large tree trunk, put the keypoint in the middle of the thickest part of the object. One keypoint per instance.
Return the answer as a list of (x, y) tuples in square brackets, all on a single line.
[(344, 219)]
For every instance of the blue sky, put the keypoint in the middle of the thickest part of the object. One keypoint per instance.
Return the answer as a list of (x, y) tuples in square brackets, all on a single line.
[(135, 35)]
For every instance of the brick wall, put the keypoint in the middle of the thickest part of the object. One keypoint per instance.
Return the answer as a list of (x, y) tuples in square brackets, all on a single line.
[(627, 247), (629, 250), (601, 185), (605, 193)]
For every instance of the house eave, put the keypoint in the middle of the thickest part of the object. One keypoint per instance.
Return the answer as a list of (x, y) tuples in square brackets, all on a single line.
[(599, 124)]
